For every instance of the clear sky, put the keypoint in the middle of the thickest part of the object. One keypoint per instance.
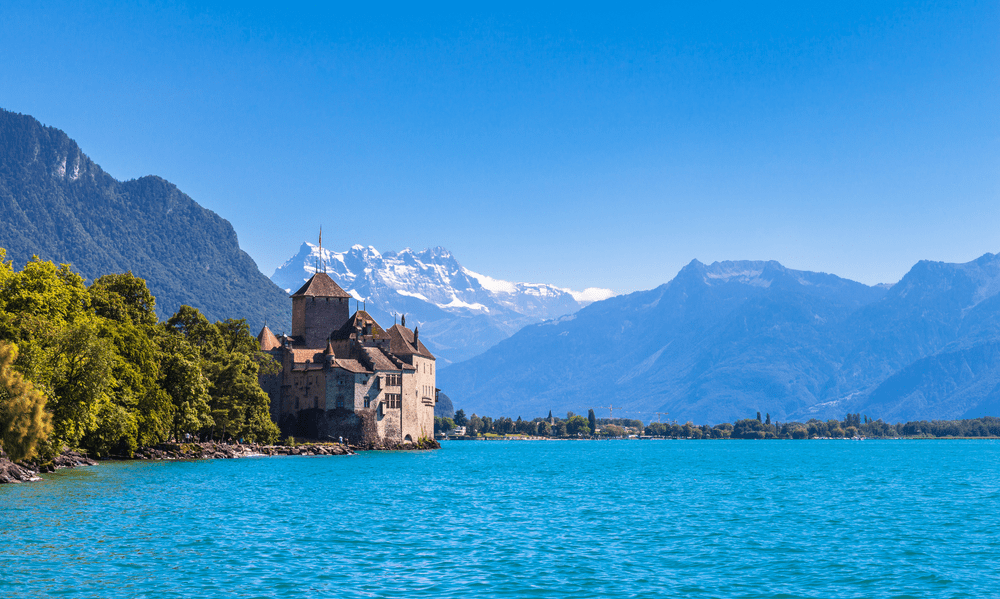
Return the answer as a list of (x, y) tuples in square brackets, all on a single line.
[(579, 146)]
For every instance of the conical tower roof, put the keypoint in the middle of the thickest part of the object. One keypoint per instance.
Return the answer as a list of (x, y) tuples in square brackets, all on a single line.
[(267, 340)]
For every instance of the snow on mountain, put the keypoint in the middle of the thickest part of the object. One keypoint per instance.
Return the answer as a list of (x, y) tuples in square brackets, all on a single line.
[(461, 313)]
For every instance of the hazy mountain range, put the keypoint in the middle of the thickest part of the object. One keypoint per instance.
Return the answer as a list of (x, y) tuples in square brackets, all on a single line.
[(460, 313), (721, 341), (57, 204)]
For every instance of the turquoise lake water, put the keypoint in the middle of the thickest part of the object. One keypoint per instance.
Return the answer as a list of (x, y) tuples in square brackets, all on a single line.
[(520, 519)]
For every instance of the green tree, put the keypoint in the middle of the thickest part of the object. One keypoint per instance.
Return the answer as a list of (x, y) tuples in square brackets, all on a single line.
[(613, 430), (114, 379), (748, 429), (656, 429), (527, 427), (123, 298), (460, 419), (81, 381), (24, 423), (592, 421), (138, 411), (230, 362), (577, 425), (475, 426), (187, 387), (46, 311)]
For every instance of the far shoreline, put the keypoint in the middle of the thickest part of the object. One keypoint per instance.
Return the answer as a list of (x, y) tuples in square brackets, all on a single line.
[(909, 438)]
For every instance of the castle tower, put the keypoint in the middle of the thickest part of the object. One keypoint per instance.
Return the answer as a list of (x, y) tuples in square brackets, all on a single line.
[(318, 308)]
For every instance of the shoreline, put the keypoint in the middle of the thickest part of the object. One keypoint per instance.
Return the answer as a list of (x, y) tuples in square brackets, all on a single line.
[(30, 471)]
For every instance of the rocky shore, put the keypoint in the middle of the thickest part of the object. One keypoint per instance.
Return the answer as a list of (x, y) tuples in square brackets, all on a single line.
[(20, 472), (11, 472), (221, 451), (217, 451)]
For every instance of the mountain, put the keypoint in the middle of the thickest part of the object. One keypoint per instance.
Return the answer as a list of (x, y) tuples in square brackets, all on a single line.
[(720, 342), (57, 204), (928, 349), (460, 313)]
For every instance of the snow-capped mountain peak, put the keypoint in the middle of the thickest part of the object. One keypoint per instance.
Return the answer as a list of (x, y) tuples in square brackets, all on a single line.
[(432, 286)]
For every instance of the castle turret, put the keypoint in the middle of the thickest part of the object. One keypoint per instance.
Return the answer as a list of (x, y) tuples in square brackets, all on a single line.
[(318, 308), (267, 340)]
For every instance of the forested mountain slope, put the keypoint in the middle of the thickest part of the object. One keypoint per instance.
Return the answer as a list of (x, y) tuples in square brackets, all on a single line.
[(57, 204)]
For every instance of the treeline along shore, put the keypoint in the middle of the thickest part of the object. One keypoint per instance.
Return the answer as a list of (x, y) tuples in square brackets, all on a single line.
[(575, 426), (88, 371)]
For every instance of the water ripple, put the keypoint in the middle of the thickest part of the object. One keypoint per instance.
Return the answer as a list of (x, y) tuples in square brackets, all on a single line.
[(529, 519)]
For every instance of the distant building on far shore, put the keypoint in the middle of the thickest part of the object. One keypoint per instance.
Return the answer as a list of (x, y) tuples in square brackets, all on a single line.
[(343, 375)]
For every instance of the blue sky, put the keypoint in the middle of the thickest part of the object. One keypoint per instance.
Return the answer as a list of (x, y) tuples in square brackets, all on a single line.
[(574, 145)]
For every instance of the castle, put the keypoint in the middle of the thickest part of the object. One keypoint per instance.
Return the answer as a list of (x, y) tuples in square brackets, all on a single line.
[(345, 376)]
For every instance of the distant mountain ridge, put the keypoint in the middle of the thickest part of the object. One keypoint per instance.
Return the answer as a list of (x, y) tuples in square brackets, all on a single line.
[(461, 313), (58, 204), (722, 341)]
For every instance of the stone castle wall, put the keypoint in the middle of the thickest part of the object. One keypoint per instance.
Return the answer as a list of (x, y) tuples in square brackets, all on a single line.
[(314, 318)]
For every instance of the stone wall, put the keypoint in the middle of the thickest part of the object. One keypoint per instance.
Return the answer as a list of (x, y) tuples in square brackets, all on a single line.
[(314, 318), (418, 400), (359, 427)]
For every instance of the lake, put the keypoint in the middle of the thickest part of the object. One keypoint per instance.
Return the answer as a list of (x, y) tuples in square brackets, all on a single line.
[(520, 519)]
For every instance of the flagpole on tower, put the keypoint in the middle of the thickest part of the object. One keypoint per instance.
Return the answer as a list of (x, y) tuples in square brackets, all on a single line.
[(321, 265)]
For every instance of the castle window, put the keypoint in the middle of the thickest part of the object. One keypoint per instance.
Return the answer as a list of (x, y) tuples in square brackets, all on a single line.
[(340, 401), (368, 402), (315, 403)]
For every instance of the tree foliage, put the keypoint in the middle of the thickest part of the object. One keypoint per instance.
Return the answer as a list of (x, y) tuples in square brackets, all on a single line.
[(111, 378), (24, 423)]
